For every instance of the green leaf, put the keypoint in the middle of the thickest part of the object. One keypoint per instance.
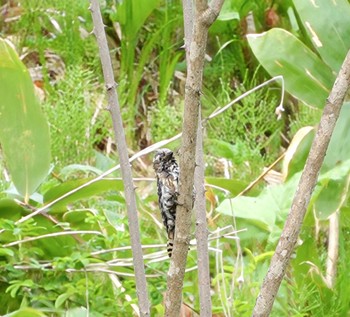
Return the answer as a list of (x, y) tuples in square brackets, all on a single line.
[(94, 189), (61, 299), (234, 186), (74, 168), (24, 133), (313, 14), (297, 152), (306, 76), (329, 199), (4, 251), (339, 150), (263, 211), (17, 284), (132, 15), (77, 219), (26, 312)]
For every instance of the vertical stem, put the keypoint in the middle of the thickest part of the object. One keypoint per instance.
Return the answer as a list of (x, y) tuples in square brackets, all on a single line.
[(114, 108)]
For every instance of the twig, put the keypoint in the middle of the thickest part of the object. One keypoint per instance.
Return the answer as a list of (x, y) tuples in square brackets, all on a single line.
[(50, 235), (130, 198), (284, 249), (261, 176)]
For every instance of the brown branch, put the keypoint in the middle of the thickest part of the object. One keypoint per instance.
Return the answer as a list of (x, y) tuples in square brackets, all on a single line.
[(187, 159), (284, 249), (130, 198)]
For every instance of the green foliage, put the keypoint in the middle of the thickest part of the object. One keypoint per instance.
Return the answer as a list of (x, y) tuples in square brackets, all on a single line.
[(70, 110), (84, 273), (250, 129), (25, 135), (165, 121), (143, 54), (308, 76)]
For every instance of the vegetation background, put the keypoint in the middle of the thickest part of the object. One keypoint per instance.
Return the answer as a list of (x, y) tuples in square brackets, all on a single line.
[(90, 269)]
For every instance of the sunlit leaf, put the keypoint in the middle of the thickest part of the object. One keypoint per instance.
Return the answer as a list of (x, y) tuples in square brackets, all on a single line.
[(26, 312), (297, 152), (313, 14)]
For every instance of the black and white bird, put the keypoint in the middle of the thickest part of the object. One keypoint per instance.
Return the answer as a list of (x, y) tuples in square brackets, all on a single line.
[(167, 173)]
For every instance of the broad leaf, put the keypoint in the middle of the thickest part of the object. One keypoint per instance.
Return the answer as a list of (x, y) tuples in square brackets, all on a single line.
[(94, 189), (306, 76), (313, 14), (24, 133)]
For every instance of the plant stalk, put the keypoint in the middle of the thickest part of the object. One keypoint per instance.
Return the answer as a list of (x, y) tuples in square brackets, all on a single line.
[(114, 109)]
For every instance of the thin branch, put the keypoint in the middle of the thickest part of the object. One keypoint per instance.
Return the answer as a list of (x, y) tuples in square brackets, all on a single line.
[(261, 176), (200, 203), (284, 249), (114, 108), (202, 229), (51, 235), (280, 106)]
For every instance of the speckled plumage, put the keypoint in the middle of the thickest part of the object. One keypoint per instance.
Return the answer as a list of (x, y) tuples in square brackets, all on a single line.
[(167, 173)]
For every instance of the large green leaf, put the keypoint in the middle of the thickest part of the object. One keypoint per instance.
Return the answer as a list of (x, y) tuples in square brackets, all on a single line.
[(327, 23), (24, 133), (306, 76)]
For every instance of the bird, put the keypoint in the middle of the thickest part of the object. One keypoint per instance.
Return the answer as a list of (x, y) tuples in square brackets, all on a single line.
[(167, 174)]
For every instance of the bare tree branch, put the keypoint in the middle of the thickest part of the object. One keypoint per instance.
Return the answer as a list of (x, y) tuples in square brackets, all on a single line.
[(302, 196), (202, 230), (199, 206), (204, 16), (130, 198)]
